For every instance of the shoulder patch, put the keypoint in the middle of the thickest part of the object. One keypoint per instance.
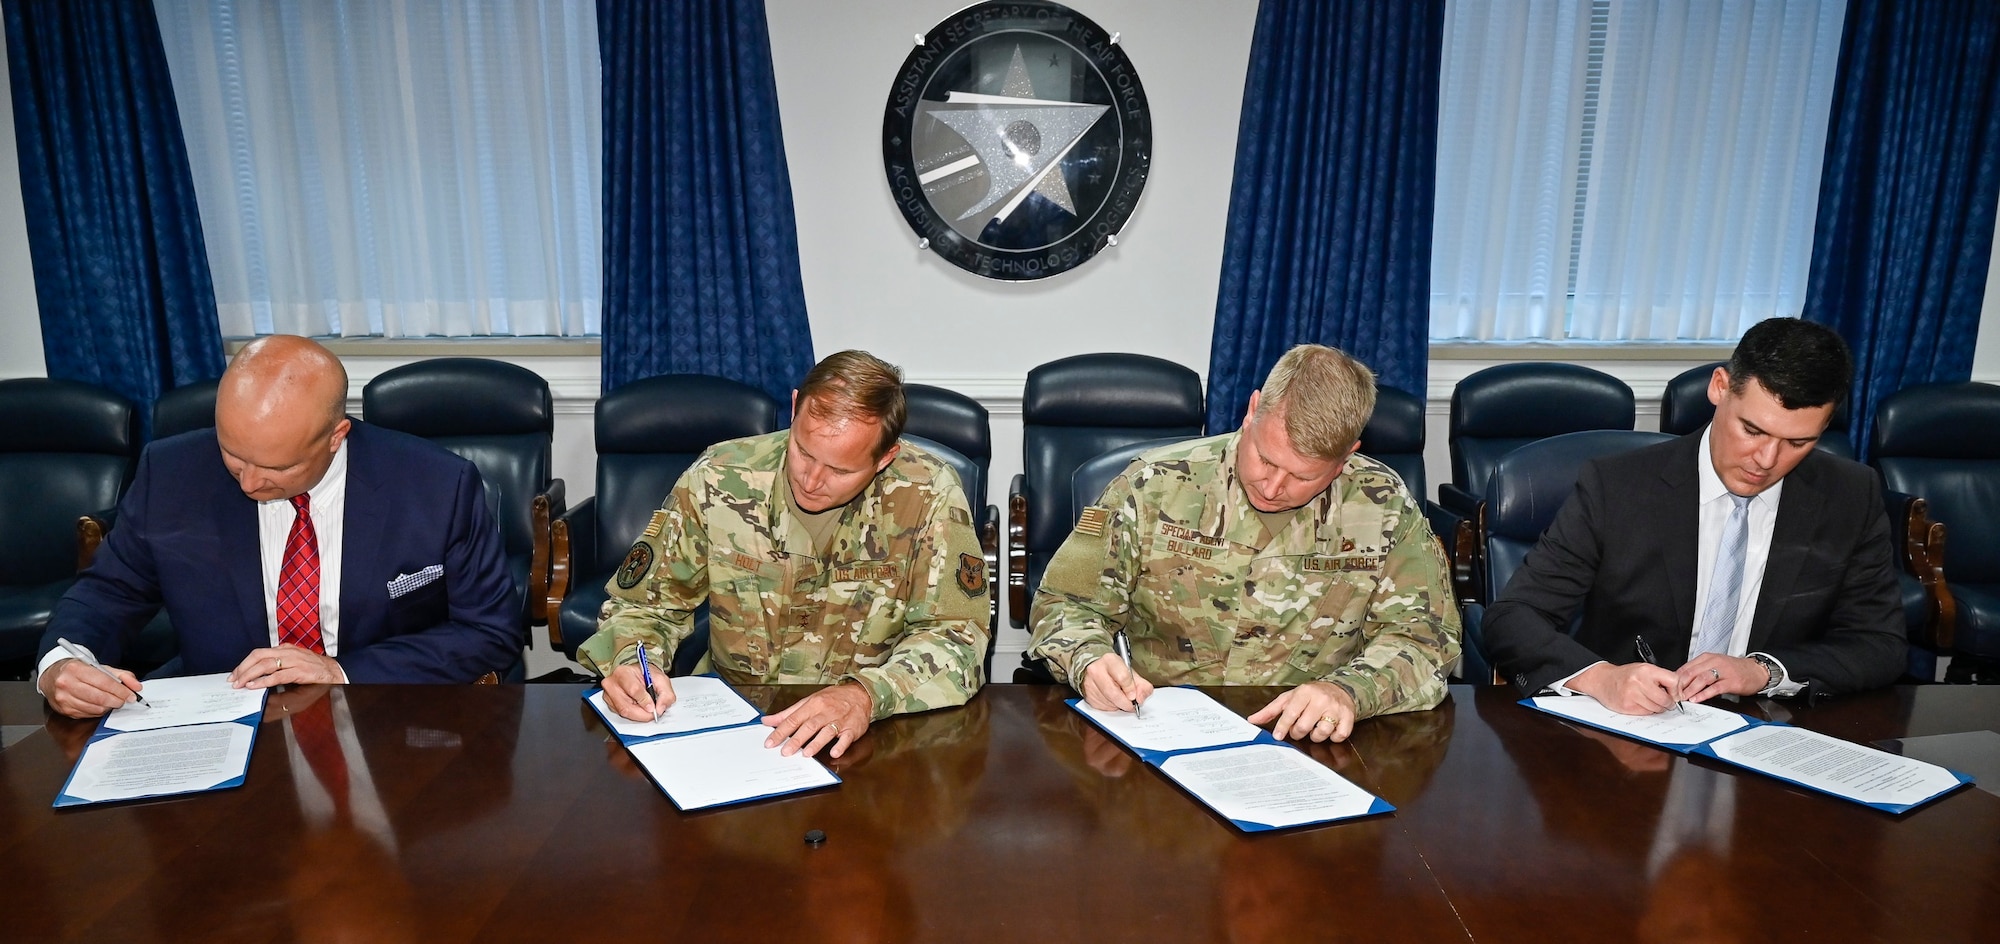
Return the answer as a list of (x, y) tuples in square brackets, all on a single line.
[(658, 524), (972, 574), (1092, 521), (638, 562)]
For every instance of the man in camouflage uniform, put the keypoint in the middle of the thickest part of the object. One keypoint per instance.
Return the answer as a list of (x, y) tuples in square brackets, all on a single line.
[(1275, 555), (828, 554)]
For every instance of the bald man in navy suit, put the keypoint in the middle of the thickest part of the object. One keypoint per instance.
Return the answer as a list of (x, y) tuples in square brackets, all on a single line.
[(291, 545)]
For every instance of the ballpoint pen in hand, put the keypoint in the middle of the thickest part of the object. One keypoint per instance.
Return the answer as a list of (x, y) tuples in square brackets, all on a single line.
[(1646, 653), (1123, 647), (84, 656), (646, 673)]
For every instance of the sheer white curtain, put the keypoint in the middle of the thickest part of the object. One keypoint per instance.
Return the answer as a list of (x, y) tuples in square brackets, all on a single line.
[(1649, 172), (378, 167)]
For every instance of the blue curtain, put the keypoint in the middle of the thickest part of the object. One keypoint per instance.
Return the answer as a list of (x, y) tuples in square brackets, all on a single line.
[(1329, 229), (1907, 194), (121, 272), (701, 258)]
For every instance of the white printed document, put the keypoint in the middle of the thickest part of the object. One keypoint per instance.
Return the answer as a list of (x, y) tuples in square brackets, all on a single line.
[(195, 736), (730, 765), (1679, 731), (1836, 767), (1173, 719), (707, 749), (196, 699), (1235, 768), (701, 703)]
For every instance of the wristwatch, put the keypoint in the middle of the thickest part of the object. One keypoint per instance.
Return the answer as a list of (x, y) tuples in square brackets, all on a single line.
[(1774, 674)]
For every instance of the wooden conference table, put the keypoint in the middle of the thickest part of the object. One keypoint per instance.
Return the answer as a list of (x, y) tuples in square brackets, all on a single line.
[(501, 813)]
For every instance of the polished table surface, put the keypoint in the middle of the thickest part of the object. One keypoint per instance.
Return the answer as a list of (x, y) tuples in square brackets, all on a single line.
[(503, 813)]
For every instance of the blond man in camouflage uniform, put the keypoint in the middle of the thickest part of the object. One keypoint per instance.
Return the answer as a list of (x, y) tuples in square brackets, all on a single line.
[(1275, 555), (828, 554)]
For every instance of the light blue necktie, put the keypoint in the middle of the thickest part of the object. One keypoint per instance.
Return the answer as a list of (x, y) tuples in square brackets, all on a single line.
[(1718, 617)]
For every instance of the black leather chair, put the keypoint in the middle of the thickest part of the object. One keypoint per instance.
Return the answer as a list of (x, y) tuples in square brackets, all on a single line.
[(1074, 409), (1500, 409), (184, 409), (500, 417), (1938, 449), (959, 422), (1684, 406), (66, 451), (1684, 409), (648, 433), (1528, 486), (1394, 436)]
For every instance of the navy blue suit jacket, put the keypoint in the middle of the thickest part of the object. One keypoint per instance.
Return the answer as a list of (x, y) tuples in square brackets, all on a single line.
[(186, 538)]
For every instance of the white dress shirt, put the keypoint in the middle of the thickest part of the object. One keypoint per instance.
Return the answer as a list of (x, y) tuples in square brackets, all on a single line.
[(274, 525)]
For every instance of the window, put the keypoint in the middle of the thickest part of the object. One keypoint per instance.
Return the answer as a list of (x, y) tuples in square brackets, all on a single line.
[(1628, 171), (422, 169)]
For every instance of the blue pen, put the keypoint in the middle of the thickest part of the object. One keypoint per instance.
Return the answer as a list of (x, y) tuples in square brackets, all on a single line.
[(646, 672)]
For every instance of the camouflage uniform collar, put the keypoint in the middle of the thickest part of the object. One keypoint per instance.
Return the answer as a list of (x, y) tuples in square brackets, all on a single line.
[(1236, 520)]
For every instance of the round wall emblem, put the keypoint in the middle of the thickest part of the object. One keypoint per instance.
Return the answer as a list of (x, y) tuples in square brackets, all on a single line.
[(1017, 139)]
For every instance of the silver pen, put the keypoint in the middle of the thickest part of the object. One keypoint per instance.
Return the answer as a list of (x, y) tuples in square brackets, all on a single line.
[(84, 656), (1123, 647)]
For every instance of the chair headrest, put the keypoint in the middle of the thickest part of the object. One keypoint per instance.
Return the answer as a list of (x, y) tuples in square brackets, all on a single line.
[(947, 416), (1539, 399), (459, 396), (681, 413), (1112, 390), (1397, 425), (42, 415), (1940, 421)]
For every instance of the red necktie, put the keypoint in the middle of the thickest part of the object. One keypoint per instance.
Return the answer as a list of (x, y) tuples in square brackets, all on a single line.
[(298, 583)]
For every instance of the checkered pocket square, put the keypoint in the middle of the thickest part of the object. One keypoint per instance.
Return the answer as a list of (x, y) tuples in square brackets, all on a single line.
[(403, 584)]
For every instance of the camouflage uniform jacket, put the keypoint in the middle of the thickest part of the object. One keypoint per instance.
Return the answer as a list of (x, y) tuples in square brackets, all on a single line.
[(900, 605), (1353, 592)]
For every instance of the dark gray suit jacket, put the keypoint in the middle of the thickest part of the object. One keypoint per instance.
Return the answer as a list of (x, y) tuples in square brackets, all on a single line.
[(1623, 549)]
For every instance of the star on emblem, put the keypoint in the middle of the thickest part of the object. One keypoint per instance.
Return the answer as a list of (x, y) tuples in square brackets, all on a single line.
[(1019, 139)]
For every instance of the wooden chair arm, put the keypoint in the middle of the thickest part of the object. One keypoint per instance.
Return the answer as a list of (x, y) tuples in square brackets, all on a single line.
[(557, 579), (1923, 544), (90, 531), (542, 512)]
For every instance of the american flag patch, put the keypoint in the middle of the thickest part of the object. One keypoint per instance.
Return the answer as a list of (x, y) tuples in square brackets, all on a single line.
[(405, 583), (1092, 521)]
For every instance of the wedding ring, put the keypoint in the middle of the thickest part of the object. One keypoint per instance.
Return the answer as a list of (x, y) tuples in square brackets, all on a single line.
[(830, 726), (1714, 675), (1326, 720), (281, 663)]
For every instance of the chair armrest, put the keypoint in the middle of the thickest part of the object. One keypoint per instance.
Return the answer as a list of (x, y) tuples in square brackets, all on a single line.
[(90, 532), (542, 511), (1920, 547), (1017, 552), (1457, 500), (572, 540), (1468, 559)]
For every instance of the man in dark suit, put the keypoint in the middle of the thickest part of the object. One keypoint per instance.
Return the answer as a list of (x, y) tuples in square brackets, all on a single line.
[(236, 530), (1750, 561)]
